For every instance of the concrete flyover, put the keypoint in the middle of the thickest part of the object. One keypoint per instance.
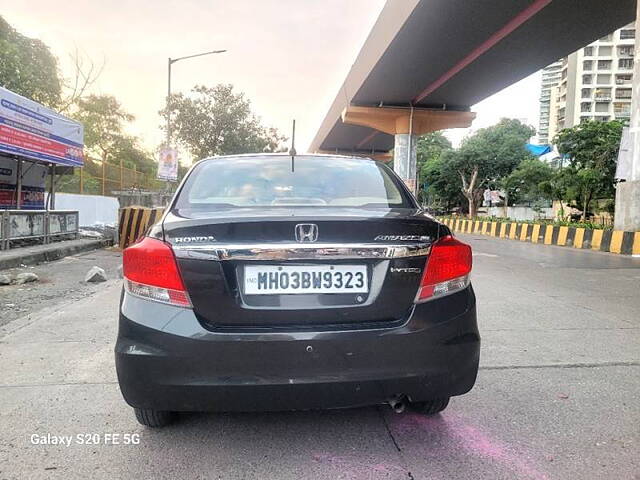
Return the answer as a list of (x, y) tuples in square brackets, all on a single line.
[(426, 62)]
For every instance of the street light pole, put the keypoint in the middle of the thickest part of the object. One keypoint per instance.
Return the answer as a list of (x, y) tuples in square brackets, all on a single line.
[(171, 61), (169, 102)]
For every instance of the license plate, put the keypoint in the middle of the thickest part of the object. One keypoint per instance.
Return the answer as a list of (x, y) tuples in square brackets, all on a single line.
[(294, 279)]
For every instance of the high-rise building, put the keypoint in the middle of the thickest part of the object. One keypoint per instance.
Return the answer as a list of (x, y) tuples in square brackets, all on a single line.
[(593, 83), (550, 79)]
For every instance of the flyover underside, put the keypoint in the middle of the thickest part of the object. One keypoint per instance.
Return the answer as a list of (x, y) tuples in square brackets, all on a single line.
[(450, 54)]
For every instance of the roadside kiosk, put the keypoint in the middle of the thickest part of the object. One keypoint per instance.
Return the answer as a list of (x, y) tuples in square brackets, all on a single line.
[(36, 145)]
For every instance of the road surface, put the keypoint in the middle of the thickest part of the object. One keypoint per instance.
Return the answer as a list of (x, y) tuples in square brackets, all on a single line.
[(556, 396)]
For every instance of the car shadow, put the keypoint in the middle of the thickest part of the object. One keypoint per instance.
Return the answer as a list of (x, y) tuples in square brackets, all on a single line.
[(357, 443)]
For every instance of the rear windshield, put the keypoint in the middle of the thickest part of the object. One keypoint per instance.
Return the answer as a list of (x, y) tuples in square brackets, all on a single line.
[(271, 181)]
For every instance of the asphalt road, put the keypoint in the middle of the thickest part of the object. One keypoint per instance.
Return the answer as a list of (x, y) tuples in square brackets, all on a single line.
[(556, 397)]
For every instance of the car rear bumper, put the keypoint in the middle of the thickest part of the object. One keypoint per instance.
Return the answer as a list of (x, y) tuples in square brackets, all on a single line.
[(166, 360)]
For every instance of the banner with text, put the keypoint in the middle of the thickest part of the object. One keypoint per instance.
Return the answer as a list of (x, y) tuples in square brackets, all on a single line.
[(168, 165), (33, 131), (33, 184)]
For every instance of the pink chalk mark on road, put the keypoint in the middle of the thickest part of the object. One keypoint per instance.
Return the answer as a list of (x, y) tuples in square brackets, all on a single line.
[(472, 439)]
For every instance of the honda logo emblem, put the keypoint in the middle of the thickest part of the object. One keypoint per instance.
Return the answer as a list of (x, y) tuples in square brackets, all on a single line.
[(306, 232)]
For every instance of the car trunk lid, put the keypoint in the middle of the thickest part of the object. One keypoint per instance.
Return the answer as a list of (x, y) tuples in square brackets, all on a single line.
[(218, 252)]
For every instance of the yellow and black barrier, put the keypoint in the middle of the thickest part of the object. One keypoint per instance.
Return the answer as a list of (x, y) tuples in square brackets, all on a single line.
[(134, 222), (614, 241)]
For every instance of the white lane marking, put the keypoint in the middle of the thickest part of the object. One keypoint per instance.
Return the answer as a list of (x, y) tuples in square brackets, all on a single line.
[(480, 254)]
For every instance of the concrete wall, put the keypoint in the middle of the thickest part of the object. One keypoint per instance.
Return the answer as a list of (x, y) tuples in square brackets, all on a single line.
[(94, 209), (520, 213)]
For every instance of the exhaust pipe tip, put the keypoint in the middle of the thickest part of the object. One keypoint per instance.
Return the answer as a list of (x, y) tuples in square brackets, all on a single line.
[(398, 403)]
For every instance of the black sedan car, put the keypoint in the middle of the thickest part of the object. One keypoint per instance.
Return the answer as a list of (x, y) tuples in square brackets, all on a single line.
[(280, 283)]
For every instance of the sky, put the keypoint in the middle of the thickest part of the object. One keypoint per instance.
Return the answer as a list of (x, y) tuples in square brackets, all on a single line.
[(288, 56)]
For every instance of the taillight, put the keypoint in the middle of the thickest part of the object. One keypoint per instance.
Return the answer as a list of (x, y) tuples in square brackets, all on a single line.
[(447, 269), (150, 271)]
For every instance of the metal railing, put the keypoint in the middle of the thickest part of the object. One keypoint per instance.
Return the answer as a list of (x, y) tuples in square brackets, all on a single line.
[(101, 178), (44, 225)]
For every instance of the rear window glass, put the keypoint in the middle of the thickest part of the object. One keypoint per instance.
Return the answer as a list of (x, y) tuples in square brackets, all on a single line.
[(270, 181)]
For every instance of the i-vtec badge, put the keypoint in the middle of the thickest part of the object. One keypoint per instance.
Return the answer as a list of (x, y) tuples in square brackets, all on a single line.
[(405, 270), (200, 239), (402, 238)]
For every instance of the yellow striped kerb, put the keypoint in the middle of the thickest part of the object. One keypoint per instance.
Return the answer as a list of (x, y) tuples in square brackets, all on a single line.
[(548, 235), (523, 232), (579, 238), (535, 233), (635, 250), (616, 241), (562, 235), (122, 228)]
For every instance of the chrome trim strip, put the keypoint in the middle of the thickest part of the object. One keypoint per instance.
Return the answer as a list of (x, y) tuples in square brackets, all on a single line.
[(300, 251)]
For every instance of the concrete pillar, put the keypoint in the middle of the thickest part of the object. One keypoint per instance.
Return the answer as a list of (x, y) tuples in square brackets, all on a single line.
[(18, 184), (52, 193), (405, 158), (627, 214)]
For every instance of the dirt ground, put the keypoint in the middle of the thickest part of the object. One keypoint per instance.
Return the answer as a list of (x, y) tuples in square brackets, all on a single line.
[(59, 282)]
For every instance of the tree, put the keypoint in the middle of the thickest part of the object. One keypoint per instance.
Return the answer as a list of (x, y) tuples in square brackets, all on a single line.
[(128, 153), (218, 121), (556, 187), (592, 149), (85, 73), (488, 155), (442, 181), (104, 120), (27, 67), (429, 148), (524, 183)]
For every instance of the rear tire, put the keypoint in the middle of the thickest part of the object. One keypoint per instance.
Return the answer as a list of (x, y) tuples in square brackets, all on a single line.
[(430, 407), (153, 418)]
